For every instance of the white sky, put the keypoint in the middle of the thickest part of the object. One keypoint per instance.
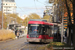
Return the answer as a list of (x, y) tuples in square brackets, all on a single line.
[(31, 6)]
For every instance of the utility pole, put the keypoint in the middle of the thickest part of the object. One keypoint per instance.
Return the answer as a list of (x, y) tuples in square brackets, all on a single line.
[(62, 22), (2, 14), (27, 23), (62, 30), (62, 27), (49, 11)]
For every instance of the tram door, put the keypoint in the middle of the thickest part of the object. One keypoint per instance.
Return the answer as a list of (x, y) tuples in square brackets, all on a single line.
[(44, 32), (57, 35)]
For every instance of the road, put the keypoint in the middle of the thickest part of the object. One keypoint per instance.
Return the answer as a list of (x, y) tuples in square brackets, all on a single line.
[(13, 44), (34, 46), (21, 44)]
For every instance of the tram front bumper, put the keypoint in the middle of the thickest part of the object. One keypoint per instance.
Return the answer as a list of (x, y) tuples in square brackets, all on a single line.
[(33, 40)]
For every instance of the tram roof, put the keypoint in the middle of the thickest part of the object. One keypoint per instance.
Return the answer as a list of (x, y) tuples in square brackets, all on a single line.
[(40, 22)]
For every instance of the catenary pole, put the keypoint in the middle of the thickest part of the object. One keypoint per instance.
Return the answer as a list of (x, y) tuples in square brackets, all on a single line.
[(2, 13)]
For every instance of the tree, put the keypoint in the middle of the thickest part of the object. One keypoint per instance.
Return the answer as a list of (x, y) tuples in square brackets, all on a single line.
[(34, 16), (73, 24), (48, 18), (0, 17), (69, 11), (31, 16), (13, 17), (4, 20)]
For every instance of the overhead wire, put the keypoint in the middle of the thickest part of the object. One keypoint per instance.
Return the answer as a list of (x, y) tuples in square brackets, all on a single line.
[(20, 8), (35, 5), (41, 2)]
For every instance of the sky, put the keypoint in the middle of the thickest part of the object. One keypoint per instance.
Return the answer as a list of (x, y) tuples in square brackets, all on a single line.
[(26, 7)]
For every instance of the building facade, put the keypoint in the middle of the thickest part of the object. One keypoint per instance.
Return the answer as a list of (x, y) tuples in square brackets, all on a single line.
[(49, 10), (0, 5), (8, 6)]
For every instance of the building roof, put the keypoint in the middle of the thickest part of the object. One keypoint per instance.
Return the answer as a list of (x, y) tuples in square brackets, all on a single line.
[(8, 0)]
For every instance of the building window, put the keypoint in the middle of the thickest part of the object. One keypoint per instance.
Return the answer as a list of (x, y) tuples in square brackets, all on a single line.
[(9, 0), (3, 4), (6, 4), (4, 10), (4, 7)]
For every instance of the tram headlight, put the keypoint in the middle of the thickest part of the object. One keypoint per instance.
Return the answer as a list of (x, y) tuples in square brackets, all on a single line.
[(29, 35)]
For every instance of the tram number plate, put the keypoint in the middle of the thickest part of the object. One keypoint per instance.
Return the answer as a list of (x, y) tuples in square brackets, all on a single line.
[(33, 36)]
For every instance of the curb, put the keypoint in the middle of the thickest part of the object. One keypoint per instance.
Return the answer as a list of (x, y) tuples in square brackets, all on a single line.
[(7, 40)]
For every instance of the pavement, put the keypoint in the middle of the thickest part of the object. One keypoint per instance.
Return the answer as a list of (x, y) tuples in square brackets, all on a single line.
[(22, 35), (13, 44)]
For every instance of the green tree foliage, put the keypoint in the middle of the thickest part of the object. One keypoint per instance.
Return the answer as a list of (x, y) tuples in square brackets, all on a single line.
[(0, 17), (58, 6), (4, 20), (69, 11), (13, 17), (31, 16), (25, 21), (70, 5), (34, 16), (48, 18)]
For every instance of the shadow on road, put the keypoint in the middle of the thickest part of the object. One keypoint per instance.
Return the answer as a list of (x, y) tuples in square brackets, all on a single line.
[(36, 43), (34, 46)]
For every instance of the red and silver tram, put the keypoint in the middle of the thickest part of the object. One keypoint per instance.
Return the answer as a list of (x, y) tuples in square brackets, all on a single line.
[(40, 31)]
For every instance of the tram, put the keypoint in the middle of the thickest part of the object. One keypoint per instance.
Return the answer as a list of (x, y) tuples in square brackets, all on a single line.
[(40, 31)]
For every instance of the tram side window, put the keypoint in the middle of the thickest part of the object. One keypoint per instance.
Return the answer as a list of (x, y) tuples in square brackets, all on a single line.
[(43, 30), (50, 31), (29, 28), (46, 30)]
